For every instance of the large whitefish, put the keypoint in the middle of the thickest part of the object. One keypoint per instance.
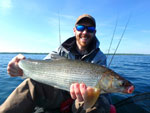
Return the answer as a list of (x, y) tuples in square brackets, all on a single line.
[(62, 72)]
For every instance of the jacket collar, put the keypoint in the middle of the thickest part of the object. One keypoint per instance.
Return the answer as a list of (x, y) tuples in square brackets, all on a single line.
[(70, 45)]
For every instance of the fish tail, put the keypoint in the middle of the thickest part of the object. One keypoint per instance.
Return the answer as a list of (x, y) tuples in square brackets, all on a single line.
[(91, 97)]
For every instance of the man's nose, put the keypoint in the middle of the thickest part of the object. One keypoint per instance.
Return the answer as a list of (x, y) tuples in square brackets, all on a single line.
[(85, 31)]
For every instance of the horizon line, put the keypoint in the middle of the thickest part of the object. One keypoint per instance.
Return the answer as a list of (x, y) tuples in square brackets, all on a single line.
[(48, 53)]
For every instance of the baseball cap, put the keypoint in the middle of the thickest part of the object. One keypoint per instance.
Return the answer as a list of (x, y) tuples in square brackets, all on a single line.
[(88, 17)]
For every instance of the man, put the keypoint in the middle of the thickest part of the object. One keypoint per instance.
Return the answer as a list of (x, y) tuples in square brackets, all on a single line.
[(83, 46)]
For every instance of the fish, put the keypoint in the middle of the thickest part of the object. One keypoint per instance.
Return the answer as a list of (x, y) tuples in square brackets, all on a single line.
[(62, 72)]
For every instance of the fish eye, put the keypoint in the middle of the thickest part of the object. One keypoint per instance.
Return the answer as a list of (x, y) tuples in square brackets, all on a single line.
[(123, 83)]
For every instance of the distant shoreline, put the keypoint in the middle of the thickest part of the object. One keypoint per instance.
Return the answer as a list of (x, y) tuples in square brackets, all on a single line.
[(48, 53), (20, 53)]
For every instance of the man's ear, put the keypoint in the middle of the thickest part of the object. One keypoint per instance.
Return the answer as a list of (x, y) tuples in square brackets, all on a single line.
[(74, 29)]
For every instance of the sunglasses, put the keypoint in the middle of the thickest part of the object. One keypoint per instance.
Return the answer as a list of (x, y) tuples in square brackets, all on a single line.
[(82, 28)]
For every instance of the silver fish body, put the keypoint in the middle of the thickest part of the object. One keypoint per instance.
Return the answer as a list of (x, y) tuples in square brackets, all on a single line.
[(63, 72)]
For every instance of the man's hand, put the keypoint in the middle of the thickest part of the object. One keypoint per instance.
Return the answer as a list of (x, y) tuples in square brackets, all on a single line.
[(13, 68), (77, 91)]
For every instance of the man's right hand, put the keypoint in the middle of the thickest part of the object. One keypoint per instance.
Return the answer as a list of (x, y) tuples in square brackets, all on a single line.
[(13, 68)]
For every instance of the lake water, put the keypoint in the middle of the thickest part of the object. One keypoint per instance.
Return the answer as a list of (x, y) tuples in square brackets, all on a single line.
[(135, 68)]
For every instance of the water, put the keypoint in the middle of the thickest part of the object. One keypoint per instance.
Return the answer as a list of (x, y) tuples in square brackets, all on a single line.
[(135, 68), (7, 83)]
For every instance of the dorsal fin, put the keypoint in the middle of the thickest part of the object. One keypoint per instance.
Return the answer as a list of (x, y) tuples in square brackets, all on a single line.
[(57, 57)]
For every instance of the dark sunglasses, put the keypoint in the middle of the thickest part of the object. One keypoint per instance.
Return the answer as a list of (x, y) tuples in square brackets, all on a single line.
[(82, 28)]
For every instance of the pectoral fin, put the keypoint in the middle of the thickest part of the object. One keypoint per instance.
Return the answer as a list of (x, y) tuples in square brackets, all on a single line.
[(91, 97)]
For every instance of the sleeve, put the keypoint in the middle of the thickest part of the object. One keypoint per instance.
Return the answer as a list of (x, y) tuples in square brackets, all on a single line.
[(102, 62), (100, 59)]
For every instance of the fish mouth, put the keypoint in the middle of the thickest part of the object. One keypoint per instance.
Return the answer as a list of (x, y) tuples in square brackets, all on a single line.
[(129, 90)]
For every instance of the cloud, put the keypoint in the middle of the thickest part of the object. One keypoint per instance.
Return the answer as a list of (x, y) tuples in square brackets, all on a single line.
[(64, 16), (146, 31), (5, 5), (70, 17), (53, 21), (66, 22)]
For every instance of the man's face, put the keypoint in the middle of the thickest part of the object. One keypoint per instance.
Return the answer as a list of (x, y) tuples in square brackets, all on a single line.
[(83, 38)]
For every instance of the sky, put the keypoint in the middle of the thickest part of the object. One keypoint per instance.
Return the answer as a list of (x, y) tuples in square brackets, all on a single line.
[(33, 25)]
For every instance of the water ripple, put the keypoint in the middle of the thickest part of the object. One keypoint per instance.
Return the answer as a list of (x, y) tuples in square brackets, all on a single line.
[(135, 68)]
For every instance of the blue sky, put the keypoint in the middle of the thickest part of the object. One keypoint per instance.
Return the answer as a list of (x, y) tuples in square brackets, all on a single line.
[(33, 26)]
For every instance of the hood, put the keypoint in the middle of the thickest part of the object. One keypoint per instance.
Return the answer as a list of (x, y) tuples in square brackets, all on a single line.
[(70, 44)]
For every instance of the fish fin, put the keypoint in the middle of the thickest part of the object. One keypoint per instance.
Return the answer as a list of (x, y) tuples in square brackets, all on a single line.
[(57, 57), (91, 97)]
